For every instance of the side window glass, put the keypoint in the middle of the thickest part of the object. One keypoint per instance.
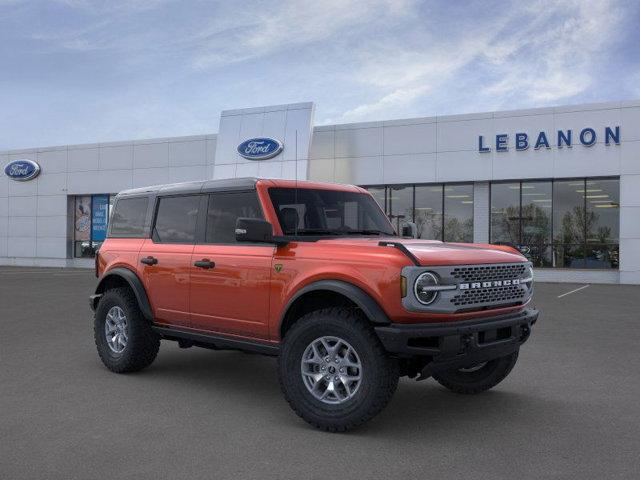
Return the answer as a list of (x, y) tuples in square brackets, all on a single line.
[(176, 219), (128, 217), (224, 209)]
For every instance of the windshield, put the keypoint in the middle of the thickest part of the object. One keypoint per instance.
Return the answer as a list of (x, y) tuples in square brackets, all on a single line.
[(306, 211)]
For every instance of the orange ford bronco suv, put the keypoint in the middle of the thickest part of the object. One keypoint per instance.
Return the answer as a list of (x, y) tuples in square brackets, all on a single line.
[(314, 274)]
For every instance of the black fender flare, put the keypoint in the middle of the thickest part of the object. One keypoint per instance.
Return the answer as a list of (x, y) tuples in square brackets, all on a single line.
[(133, 281), (362, 299)]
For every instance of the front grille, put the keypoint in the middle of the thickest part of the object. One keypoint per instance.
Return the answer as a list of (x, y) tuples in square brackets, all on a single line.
[(495, 295), (468, 288), (482, 273)]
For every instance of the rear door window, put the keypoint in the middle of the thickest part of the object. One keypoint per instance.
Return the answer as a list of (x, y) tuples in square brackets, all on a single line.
[(176, 219), (128, 217), (224, 209)]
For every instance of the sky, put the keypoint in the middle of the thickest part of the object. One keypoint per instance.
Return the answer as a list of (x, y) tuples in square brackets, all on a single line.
[(80, 71)]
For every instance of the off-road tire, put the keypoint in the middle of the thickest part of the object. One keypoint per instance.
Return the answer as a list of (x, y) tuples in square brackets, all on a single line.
[(487, 377), (142, 344), (379, 372)]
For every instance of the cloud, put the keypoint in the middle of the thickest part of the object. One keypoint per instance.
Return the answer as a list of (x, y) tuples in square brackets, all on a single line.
[(287, 25), (555, 63), (541, 53), (120, 69)]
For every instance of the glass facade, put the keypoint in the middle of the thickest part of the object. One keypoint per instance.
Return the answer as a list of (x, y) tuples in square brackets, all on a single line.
[(561, 223), (90, 221), (440, 212)]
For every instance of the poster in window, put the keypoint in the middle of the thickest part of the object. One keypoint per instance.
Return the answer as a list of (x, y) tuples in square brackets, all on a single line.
[(82, 229), (99, 217)]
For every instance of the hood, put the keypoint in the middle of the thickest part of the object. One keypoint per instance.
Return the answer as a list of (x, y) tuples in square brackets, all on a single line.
[(439, 253), (433, 252)]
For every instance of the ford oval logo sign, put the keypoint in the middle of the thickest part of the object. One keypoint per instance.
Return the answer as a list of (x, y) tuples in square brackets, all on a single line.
[(22, 170), (260, 148)]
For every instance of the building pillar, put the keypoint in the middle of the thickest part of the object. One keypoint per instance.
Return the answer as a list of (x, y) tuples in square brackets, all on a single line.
[(629, 229), (481, 212), (290, 124)]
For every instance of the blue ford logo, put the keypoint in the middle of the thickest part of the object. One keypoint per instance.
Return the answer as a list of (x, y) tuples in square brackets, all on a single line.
[(22, 170), (260, 148)]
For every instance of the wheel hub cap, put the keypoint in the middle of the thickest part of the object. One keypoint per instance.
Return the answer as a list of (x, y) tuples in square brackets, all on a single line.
[(116, 330), (331, 370)]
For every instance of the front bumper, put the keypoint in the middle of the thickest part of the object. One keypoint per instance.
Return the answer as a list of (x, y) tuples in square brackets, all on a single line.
[(459, 344)]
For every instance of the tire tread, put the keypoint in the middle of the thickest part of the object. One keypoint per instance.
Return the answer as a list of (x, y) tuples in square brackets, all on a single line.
[(144, 343), (388, 375)]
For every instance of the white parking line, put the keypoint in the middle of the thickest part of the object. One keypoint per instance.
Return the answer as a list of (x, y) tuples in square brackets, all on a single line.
[(573, 291)]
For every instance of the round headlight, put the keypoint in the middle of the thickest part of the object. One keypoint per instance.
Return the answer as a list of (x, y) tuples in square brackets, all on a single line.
[(421, 288), (529, 277)]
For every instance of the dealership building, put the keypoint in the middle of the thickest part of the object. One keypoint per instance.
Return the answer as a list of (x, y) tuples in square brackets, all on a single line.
[(562, 184)]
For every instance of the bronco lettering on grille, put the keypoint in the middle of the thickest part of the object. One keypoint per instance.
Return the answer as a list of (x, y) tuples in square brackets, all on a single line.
[(494, 283)]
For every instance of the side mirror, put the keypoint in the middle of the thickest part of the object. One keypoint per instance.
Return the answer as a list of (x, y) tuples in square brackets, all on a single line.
[(253, 230), (410, 229)]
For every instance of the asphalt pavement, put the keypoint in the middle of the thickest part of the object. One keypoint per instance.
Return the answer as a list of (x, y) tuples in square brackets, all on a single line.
[(569, 409)]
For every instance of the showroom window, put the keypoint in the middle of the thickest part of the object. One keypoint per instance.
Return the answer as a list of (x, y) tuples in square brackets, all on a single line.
[(458, 213), (91, 219), (400, 205), (562, 223), (440, 212)]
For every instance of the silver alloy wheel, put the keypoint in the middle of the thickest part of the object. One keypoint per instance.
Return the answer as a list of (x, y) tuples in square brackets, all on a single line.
[(474, 368), (331, 370), (116, 330)]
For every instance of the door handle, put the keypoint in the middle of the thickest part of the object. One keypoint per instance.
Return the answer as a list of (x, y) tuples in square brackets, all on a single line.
[(149, 260), (204, 263)]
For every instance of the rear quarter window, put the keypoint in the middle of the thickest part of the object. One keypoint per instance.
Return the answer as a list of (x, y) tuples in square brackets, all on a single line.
[(128, 217)]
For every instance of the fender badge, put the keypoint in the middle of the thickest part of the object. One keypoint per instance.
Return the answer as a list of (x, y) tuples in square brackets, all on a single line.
[(278, 267)]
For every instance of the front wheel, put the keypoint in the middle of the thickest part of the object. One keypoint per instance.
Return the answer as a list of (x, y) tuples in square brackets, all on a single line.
[(477, 378), (123, 337), (333, 370)]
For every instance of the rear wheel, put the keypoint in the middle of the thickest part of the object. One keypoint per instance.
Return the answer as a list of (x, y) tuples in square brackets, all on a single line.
[(477, 378), (333, 370), (123, 337)]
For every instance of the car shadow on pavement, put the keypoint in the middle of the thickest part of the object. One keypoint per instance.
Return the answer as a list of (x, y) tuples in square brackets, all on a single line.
[(415, 408)]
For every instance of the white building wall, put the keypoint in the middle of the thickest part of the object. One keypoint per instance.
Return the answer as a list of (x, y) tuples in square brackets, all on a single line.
[(36, 218)]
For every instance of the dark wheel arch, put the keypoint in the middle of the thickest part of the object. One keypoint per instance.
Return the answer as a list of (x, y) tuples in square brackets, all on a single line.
[(338, 289), (120, 276)]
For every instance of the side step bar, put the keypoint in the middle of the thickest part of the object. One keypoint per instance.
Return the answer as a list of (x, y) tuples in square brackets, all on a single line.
[(216, 341)]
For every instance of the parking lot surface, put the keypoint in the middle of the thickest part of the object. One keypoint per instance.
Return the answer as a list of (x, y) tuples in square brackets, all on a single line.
[(570, 408)]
